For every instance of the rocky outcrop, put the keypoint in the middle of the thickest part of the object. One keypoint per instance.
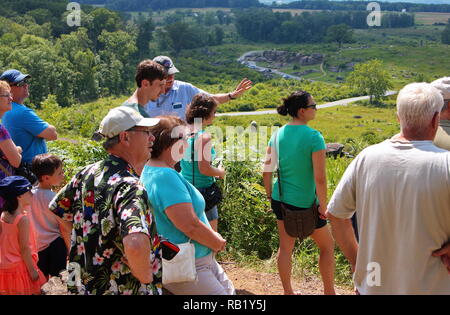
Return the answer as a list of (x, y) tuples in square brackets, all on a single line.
[(280, 57), (300, 74)]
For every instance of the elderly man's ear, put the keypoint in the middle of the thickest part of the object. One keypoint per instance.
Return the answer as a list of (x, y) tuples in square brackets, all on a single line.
[(435, 120), (124, 137)]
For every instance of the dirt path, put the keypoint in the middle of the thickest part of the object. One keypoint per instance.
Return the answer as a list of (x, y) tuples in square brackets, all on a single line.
[(251, 282), (246, 281)]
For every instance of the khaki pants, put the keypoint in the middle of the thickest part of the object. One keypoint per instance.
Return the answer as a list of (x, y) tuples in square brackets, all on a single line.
[(211, 280)]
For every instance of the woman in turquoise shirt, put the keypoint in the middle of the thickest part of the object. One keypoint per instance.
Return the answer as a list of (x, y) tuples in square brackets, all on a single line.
[(200, 114), (301, 153), (180, 210)]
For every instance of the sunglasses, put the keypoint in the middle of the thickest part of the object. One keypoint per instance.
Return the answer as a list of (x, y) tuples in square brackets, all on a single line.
[(313, 106), (6, 95)]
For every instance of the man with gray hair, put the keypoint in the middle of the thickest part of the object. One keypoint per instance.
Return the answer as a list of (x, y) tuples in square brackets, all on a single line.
[(442, 139), (400, 191)]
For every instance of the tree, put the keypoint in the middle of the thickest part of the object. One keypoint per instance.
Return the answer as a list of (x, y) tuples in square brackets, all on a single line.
[(340, 33), (144, 36), (370, 78), (219, 34), (116, 66), (182, 35)]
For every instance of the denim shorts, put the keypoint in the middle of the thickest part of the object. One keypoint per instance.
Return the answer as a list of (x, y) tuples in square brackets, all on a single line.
[(276, 207), (212, 214)]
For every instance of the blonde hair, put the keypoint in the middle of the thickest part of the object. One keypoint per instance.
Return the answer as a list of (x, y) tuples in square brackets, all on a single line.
[(4, 86)]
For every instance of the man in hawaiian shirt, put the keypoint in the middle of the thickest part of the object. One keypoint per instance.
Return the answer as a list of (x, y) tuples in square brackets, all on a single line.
[(114, 244)]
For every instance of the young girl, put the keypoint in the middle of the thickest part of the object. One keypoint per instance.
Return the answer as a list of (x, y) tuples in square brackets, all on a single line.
[(19, 273)]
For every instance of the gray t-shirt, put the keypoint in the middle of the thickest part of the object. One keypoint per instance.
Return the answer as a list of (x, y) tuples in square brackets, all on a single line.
[(400, 191), (45, 222)]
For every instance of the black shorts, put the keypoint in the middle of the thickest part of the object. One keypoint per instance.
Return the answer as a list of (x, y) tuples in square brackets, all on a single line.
[(276, 208), (53, 259)]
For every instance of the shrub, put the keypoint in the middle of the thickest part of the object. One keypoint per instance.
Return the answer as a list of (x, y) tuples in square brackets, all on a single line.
[(246, 221)]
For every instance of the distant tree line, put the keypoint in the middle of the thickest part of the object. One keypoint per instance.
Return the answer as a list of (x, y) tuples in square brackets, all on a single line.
[(283, 27), (362, 5), (145, 5), (76, 64)]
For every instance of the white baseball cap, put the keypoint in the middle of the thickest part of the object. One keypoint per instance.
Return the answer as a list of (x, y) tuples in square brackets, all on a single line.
[(443, 85), (123, 118), (167, 63)]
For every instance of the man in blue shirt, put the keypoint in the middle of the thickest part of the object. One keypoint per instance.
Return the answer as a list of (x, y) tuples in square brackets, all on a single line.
[(179, 94), (27, 129)]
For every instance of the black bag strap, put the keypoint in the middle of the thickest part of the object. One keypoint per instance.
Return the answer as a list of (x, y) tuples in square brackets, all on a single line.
[(278, 164), (192, 159)]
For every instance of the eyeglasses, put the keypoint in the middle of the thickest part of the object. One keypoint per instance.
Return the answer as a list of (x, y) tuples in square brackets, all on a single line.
[(148, 132), (313, 106), (21, 83), (6, 95)]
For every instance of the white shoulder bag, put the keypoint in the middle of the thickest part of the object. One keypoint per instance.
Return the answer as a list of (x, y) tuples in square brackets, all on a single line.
[(181, 268)]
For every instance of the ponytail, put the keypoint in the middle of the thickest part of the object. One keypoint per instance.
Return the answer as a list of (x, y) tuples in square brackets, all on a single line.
[(293, 103), (282, 110)]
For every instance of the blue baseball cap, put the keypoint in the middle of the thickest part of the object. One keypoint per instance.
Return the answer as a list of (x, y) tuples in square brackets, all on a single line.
[(14, 76), (14, 186), (167, 63)]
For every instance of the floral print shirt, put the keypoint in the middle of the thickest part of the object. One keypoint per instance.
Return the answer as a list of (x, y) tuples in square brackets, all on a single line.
[(106, 202), (4, 135)]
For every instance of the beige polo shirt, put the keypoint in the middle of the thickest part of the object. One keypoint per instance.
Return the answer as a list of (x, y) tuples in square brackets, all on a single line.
[(442, 138), (400, 191)]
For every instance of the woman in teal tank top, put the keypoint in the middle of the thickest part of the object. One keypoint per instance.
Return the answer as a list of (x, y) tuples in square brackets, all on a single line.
[(200, 114), (301, 154)]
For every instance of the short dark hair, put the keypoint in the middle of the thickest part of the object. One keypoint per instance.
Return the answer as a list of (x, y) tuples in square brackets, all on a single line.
[(202, 106), (293, 103), (45, 164), (163, 134), (10, 204), (149, 70)]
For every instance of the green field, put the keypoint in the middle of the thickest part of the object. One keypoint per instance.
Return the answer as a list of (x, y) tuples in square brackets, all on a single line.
[(429, 18)]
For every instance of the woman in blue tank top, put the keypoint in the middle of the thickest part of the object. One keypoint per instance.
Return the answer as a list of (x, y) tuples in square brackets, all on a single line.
[(200, 173)]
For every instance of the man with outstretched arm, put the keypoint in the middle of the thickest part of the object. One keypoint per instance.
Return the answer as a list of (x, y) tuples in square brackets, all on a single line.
[(178, 94)]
